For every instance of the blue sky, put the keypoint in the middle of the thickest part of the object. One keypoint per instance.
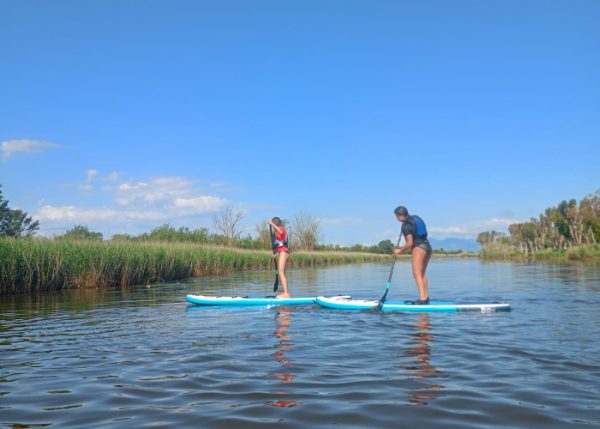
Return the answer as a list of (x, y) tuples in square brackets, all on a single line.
[(126, 115)]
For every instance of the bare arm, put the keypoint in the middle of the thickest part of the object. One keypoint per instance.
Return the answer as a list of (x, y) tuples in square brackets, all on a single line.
[(277, 228), (407, 245)]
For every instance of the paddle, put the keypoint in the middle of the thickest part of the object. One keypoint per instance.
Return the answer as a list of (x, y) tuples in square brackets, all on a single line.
[(276, 284), (387, 286)]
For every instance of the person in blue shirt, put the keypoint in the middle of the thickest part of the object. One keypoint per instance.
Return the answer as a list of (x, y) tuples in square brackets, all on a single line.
[(415, 236)]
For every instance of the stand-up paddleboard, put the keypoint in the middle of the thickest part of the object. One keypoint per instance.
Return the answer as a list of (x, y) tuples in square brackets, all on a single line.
[(449, 307), (243, 301), (346, 303)]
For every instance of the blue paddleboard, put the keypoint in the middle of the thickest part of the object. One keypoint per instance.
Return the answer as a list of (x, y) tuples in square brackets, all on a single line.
[(243, 301), (347, 303)]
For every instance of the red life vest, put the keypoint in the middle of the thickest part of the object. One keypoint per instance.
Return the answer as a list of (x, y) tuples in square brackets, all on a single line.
[(280, 241)]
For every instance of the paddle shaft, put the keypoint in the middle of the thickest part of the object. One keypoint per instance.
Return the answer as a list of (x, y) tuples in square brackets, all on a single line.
[(387, 286), (276, 284)]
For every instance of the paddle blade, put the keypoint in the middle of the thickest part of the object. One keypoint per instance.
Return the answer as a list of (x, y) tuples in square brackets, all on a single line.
[(276, 284), (383, 298)]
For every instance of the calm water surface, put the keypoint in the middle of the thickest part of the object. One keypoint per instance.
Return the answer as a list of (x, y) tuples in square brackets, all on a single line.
[(143, 357)]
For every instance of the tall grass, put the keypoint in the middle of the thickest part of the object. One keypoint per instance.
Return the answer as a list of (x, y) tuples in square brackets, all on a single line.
[(35, 265), (586, 253)]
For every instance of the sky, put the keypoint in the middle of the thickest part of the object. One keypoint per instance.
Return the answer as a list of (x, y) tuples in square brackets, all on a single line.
[(126, 115)]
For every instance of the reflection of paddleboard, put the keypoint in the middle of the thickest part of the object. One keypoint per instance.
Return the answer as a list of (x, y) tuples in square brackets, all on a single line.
[(346, 303), (241, 301)]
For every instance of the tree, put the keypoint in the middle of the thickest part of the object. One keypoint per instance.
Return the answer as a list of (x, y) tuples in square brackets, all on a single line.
[(121, 237), (15, 222), (167, 232), (81, 233), (590, 211), (305, 231), (566, 225), (264, 235), (386, 247), (484, 238), (228, 224)]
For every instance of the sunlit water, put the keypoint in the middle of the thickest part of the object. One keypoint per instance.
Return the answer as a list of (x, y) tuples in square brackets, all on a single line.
[(143, 357)]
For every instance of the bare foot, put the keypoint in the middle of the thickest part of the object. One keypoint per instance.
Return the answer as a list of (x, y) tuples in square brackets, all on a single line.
[(283, 295)]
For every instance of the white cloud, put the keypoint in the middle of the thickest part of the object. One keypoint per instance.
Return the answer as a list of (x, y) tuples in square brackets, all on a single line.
[(449, 230), (131, 186), (128, 193), (91, 174), (75, 214), (88, 184), (497, 222), (11, 147), (203, 204), (113, 177), (163, 199), (158, 191), (471, 230)]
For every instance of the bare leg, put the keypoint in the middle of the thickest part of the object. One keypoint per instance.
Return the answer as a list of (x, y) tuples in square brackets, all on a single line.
[(426, 282), (283, 257), (420, 259)]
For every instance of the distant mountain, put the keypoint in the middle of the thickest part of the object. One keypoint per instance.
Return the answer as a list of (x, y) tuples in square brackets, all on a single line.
[(465, 244)]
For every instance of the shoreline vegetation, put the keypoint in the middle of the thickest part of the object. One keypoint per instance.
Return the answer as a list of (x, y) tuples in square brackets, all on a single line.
[(565, 233), (82, 259), (40, 265), (29, 266), (585, 253)]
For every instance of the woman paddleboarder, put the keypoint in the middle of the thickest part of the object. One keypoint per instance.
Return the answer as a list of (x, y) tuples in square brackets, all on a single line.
[(415, 236), (280, 248)]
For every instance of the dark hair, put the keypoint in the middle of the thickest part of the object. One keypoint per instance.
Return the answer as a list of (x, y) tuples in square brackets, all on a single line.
[(401, 211), (276, 221)]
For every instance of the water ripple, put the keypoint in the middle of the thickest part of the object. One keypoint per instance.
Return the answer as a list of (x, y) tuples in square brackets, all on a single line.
[(144, 358)]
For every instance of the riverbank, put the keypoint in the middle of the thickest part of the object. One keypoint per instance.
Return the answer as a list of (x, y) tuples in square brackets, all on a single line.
[(37, 265), (589, 253)]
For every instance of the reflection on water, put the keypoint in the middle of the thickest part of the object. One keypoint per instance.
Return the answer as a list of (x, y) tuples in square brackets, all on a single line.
[(422, 368), (282, 317), (79, 300)]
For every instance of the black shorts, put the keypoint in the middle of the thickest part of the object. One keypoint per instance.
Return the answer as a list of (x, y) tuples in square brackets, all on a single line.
[(425, 246)]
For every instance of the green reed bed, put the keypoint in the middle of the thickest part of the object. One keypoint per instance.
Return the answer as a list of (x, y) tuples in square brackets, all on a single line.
[(37, 265), (587, 254)]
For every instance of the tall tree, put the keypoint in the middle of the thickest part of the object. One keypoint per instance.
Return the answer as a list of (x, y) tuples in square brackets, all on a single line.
[(590, 211), (228, 224), (566, 225), (305, 231), (15, 222)]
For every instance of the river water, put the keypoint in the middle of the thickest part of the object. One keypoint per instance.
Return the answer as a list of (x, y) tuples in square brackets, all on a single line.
[(142, 357)]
